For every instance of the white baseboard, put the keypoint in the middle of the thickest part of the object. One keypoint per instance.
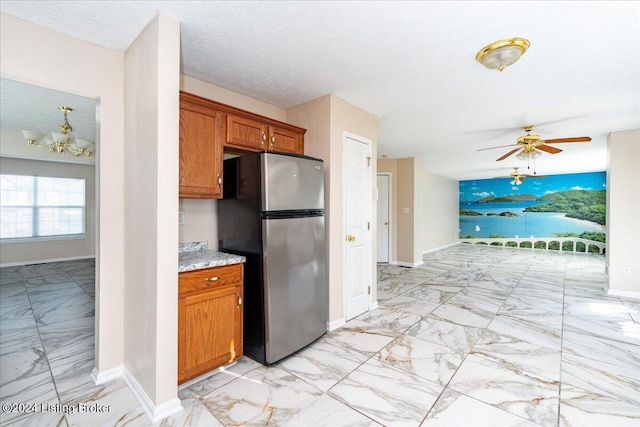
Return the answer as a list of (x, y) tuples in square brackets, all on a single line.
[(331, 326), (43, 261), (106, 376), (373, 305), (626, 294), (155, 413), (440, 248)]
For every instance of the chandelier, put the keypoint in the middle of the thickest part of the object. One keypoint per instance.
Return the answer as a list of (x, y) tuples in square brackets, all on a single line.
[(59, 142)]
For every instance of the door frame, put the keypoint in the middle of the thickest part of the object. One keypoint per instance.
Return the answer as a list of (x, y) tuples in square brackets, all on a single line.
[(345, 136), (389, 175)]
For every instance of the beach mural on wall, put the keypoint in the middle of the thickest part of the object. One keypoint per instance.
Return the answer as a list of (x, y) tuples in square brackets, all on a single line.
[(551, 206)]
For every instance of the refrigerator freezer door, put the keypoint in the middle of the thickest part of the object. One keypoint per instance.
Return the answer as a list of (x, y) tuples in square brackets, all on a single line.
[(295, 284), (291, 183)]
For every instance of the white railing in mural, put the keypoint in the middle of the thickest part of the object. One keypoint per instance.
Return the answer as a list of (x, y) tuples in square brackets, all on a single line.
[(561, 244)]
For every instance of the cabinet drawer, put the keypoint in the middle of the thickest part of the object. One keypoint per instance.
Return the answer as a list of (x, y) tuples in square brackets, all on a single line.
[(200, 280)]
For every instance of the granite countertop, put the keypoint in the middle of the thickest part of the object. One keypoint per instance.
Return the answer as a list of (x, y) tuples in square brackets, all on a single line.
[(196, 260)]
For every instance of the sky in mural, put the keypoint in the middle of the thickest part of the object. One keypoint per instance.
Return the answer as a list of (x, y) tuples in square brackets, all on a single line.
[(480, 188)]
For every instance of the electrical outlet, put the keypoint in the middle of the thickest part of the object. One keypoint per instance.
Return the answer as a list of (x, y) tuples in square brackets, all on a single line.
[(626, 271), (405, 210), (180, 217)]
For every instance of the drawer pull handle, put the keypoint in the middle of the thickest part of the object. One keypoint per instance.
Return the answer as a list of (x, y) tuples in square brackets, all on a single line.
[(211, 279), (239, 299)]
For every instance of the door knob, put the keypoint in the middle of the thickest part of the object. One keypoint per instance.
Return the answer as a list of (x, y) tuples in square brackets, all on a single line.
[(386, 223), (351, 238)]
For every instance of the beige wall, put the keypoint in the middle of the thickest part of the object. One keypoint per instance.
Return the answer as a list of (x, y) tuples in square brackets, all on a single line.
[(432, 200), (405, 213), (623, 205), (20, 253), (25, 48), (440, 201), (152, 81)]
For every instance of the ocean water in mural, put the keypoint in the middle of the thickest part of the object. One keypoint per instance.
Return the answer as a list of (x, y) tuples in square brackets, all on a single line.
[(539, 207)]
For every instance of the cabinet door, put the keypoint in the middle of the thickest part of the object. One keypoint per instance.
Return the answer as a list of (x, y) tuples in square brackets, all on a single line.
[(285, 141), (246, 133), (200, 152), (210, 331)]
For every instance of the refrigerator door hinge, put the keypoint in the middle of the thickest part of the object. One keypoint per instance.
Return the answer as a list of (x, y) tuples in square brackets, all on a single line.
[(369, 225), (369, 290), (369, 161)]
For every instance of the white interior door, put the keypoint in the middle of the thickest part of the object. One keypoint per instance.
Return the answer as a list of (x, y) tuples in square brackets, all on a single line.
[(383, 217), (358, 251)]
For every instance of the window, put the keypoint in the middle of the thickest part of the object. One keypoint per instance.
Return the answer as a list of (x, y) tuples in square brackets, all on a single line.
[(39, 206)]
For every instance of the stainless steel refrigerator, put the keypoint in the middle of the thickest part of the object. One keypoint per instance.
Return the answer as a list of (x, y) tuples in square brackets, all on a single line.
[(272, 212)]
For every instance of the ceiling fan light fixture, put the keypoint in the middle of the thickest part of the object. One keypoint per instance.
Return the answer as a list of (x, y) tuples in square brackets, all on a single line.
[(529, 155), (499, 55)]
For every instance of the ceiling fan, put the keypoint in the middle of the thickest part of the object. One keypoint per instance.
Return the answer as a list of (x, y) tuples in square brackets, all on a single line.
[(517, 178), (532, 145)]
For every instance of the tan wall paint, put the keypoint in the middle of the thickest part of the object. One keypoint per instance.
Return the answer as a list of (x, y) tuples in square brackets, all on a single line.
[(431, 226), (20, 253), (418, 207), (406, 236), (226, 96), (25, 48), (623, 205), (152, 80)]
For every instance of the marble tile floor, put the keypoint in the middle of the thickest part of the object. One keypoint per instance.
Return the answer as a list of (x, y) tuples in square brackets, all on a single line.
[(477, 336)]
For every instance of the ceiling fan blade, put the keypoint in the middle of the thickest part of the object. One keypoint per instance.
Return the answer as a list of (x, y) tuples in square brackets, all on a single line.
[(548, 149), (575, 139), (499, 146), (508, 154)]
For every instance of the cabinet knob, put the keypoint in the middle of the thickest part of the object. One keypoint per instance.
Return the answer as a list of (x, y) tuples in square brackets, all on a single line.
[(264, 137), (239, 299), (219, 180), (273, 139), (351, 238), (211, 279)]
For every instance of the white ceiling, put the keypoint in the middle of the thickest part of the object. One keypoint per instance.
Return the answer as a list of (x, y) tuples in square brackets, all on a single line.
[(412, 64)]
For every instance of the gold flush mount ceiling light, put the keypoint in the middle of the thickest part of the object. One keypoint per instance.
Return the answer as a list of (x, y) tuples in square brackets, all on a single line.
[(501, 54)]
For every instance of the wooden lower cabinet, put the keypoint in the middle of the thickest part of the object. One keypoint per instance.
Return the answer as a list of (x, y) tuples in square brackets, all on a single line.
[(210, 305)]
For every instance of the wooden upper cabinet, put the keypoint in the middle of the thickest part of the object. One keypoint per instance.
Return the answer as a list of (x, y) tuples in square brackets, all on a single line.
[(254, 135), (201, 151), (208, 127), (246, 133), (285, 141)]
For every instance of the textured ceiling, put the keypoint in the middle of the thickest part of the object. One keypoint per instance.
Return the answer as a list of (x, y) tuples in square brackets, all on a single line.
[(27, 107), (412, 64)]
